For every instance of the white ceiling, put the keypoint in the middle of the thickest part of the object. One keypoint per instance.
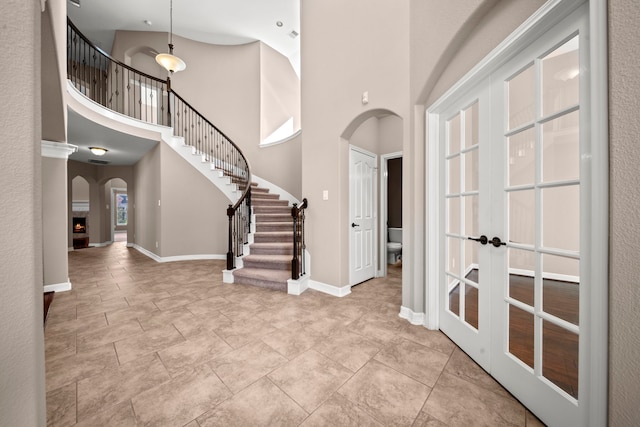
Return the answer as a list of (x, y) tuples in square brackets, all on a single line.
[(210, 21)]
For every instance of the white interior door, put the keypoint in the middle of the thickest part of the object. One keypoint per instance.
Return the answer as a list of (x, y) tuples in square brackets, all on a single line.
[(362, 215), (515, 191)]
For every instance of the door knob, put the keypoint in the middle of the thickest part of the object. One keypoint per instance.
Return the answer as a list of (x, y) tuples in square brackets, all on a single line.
[(354, 225), (497, 242), (482, 239)]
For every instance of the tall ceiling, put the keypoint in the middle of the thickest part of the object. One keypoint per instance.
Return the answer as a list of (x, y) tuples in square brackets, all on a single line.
[(209, 21)]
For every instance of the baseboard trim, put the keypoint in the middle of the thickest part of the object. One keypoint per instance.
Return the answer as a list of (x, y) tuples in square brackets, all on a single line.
[(58, 287), (70, 249), (413, 318), (329, 289), (160, 259), (199, 257), (100, 245), (297, 287)]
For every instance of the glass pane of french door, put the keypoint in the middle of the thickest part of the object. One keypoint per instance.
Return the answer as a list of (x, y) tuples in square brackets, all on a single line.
[(462, 196), (542, 193)]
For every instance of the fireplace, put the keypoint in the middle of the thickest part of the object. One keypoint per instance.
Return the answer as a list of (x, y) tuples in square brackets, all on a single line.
[(79, 225)]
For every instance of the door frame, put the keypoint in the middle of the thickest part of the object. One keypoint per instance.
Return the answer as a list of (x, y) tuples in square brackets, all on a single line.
[(595, 297), (384, 198), (375, 190)]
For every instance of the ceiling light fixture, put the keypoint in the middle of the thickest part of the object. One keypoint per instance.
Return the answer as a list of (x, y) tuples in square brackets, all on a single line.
[(279, 24), (172, 63), (98, 151)]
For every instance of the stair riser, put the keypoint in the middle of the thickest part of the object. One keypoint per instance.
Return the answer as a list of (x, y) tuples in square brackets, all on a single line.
[(272, 251), (261, 219), (269, 238), (264, 196), (271, 210), (270, 265), (269, 202), (275, 226)]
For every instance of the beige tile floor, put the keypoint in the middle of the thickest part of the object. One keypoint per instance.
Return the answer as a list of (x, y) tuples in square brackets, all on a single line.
[(141, 343)]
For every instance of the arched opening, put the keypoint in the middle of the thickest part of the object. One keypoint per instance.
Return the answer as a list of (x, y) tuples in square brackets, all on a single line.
[(118, 211), (380, 134)]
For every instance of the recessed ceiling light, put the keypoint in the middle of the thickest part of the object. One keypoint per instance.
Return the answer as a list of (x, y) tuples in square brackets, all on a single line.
[(149, 23), (279, 24)]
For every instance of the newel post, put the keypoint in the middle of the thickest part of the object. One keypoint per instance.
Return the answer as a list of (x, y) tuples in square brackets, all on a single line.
[(230, 256), (295, 262)]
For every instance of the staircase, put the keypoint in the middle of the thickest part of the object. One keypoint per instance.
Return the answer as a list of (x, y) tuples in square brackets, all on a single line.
[(268, 264)]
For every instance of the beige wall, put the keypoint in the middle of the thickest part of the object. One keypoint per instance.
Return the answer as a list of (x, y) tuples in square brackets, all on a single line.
[(624, 187), (54, 221), (194, 221), (22, 378), (79, 189), (366, 49), (279, 92), (224, 84), (147, 214), (53, 112)]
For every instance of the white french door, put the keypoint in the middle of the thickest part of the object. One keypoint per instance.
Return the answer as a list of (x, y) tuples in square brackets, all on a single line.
[(362, 215), (514, 201)]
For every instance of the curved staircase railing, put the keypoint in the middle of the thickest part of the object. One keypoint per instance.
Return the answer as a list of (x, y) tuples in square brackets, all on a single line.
[(124, 89)]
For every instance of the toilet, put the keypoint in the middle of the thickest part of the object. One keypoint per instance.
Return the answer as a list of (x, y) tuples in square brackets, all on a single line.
[(394, 245)]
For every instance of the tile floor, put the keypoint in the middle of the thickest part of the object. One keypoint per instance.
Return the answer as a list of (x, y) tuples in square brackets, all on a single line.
[(141, 343)]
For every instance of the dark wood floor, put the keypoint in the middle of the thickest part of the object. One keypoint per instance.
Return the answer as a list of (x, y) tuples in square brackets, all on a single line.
[(560, 346), (48, 298)]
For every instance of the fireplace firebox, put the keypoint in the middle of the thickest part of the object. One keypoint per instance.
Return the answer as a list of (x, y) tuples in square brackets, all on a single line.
[(79, 225)]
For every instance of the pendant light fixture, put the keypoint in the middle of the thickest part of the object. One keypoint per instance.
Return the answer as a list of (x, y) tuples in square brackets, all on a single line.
[(172, 63)]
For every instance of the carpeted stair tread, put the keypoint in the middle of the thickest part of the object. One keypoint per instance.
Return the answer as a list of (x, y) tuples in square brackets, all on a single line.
[(273, 236), (270, 209), (274, 217), (274, 226), (261, 195), (269, 248), (269, 202), (271, 262)]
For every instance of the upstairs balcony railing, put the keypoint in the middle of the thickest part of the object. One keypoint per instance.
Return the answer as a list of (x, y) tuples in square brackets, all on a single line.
[(124, 89)]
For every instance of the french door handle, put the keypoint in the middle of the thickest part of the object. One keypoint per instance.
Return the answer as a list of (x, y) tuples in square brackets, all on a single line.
[(497, 242), (482, 239), (354, 225)]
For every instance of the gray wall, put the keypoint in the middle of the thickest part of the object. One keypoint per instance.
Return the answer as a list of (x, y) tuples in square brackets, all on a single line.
[(624, 187), (22, 379)]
